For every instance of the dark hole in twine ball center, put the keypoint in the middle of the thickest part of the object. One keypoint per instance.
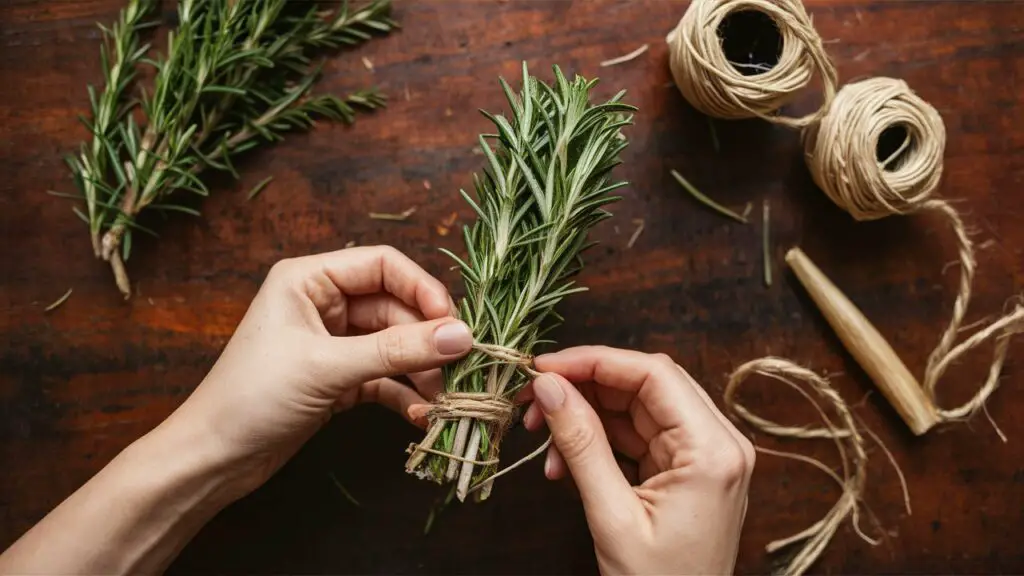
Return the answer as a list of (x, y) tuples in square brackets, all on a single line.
[(894, 147), (751, 41)]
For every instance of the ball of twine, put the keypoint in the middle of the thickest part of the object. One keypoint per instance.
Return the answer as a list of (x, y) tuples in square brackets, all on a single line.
[(841, 149), (714, 86)]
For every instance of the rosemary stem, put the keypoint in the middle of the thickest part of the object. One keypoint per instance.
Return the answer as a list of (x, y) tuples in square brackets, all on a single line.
[(466, 476), (458, 446)]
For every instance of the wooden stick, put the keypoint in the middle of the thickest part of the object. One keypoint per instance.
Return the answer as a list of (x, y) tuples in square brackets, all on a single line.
[(868, 347)]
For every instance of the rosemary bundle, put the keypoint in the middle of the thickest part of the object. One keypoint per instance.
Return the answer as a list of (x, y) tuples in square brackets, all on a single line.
[(542, 190), (237, 73)]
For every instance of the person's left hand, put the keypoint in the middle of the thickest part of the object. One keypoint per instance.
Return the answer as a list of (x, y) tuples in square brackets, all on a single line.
[(324, 332)]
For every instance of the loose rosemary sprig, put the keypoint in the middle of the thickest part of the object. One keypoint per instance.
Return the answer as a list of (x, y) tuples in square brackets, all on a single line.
[(119, 55), (237, 73), (543, 189)]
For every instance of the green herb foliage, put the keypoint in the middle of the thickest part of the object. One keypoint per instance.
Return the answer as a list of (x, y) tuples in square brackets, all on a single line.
[(237, 73), (545, 184)]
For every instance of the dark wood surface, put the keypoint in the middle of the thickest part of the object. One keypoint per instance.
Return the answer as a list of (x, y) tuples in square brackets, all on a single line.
[(78, 384)]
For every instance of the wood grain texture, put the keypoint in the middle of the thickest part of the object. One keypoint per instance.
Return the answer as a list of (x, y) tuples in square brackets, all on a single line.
[(78, 384)]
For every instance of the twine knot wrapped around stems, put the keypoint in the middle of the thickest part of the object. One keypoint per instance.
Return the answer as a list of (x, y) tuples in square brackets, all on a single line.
[(714, 85), (842, 158), (479, 406)]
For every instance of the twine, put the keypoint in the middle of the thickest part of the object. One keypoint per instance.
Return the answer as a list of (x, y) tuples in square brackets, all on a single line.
[(714, 86), (841, 156), (480, 406), (848, 441)]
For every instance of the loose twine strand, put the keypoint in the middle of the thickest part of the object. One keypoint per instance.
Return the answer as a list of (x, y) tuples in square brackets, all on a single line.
[(714, 85), (841, 156), (480, 406), (848, 441)]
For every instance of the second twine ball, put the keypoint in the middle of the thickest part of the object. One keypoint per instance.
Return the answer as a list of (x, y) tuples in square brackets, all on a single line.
[(842, 149)]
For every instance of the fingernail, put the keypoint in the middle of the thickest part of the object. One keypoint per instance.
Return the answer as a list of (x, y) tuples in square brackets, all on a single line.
[(418, 411), (453, 338), (548, 393), (547, 465)]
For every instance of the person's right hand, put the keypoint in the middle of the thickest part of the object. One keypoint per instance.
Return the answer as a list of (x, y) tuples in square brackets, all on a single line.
[(686, 514)]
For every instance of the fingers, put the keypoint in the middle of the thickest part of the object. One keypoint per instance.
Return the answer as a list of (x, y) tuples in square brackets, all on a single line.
[(533, 419), (743, 441), (555, 467), (581, 441), (663, 391), (429, 384), (670, 412), (618, 426), (371, 269), (397, 350), (395, 396), (623, 436), (379, 311), (363, 271)]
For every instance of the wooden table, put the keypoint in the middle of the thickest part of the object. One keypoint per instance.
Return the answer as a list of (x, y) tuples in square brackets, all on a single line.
[(78, 384)]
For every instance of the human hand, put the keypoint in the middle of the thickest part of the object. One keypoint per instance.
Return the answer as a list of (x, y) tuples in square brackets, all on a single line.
[(694, 467), (324, 332)]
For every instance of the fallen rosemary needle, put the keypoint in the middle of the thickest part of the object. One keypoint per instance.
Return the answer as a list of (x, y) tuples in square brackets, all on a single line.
[(259, 188), (766, 242), (627, 57), (344, 492), (705, 200), (636, 233), (714, 135), (399, 217), (57, 303)]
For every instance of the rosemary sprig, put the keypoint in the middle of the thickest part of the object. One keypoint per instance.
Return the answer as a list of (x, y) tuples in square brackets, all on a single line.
[(119, 55), (237, 73), (543, 188)]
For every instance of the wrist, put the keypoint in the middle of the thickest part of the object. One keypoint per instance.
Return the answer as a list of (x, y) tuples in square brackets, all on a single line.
[(169, 484), (135, 515), (190, 458)]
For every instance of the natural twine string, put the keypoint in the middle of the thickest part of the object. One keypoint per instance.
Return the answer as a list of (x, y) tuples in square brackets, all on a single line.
[(481, 406), (848, 441), (841, 156), (714, 86)]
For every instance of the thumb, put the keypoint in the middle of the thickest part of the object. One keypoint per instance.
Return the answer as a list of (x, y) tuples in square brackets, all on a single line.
[(400, 349), (579, 436)]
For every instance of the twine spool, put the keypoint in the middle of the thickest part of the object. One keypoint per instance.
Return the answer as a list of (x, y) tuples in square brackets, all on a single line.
[(718, 88), (842, 157)]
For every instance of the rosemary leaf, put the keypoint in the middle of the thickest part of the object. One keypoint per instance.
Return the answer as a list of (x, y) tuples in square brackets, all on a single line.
[(259, 188)]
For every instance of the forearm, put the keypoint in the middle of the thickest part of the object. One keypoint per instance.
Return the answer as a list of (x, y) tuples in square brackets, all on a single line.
[(134, 516)]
